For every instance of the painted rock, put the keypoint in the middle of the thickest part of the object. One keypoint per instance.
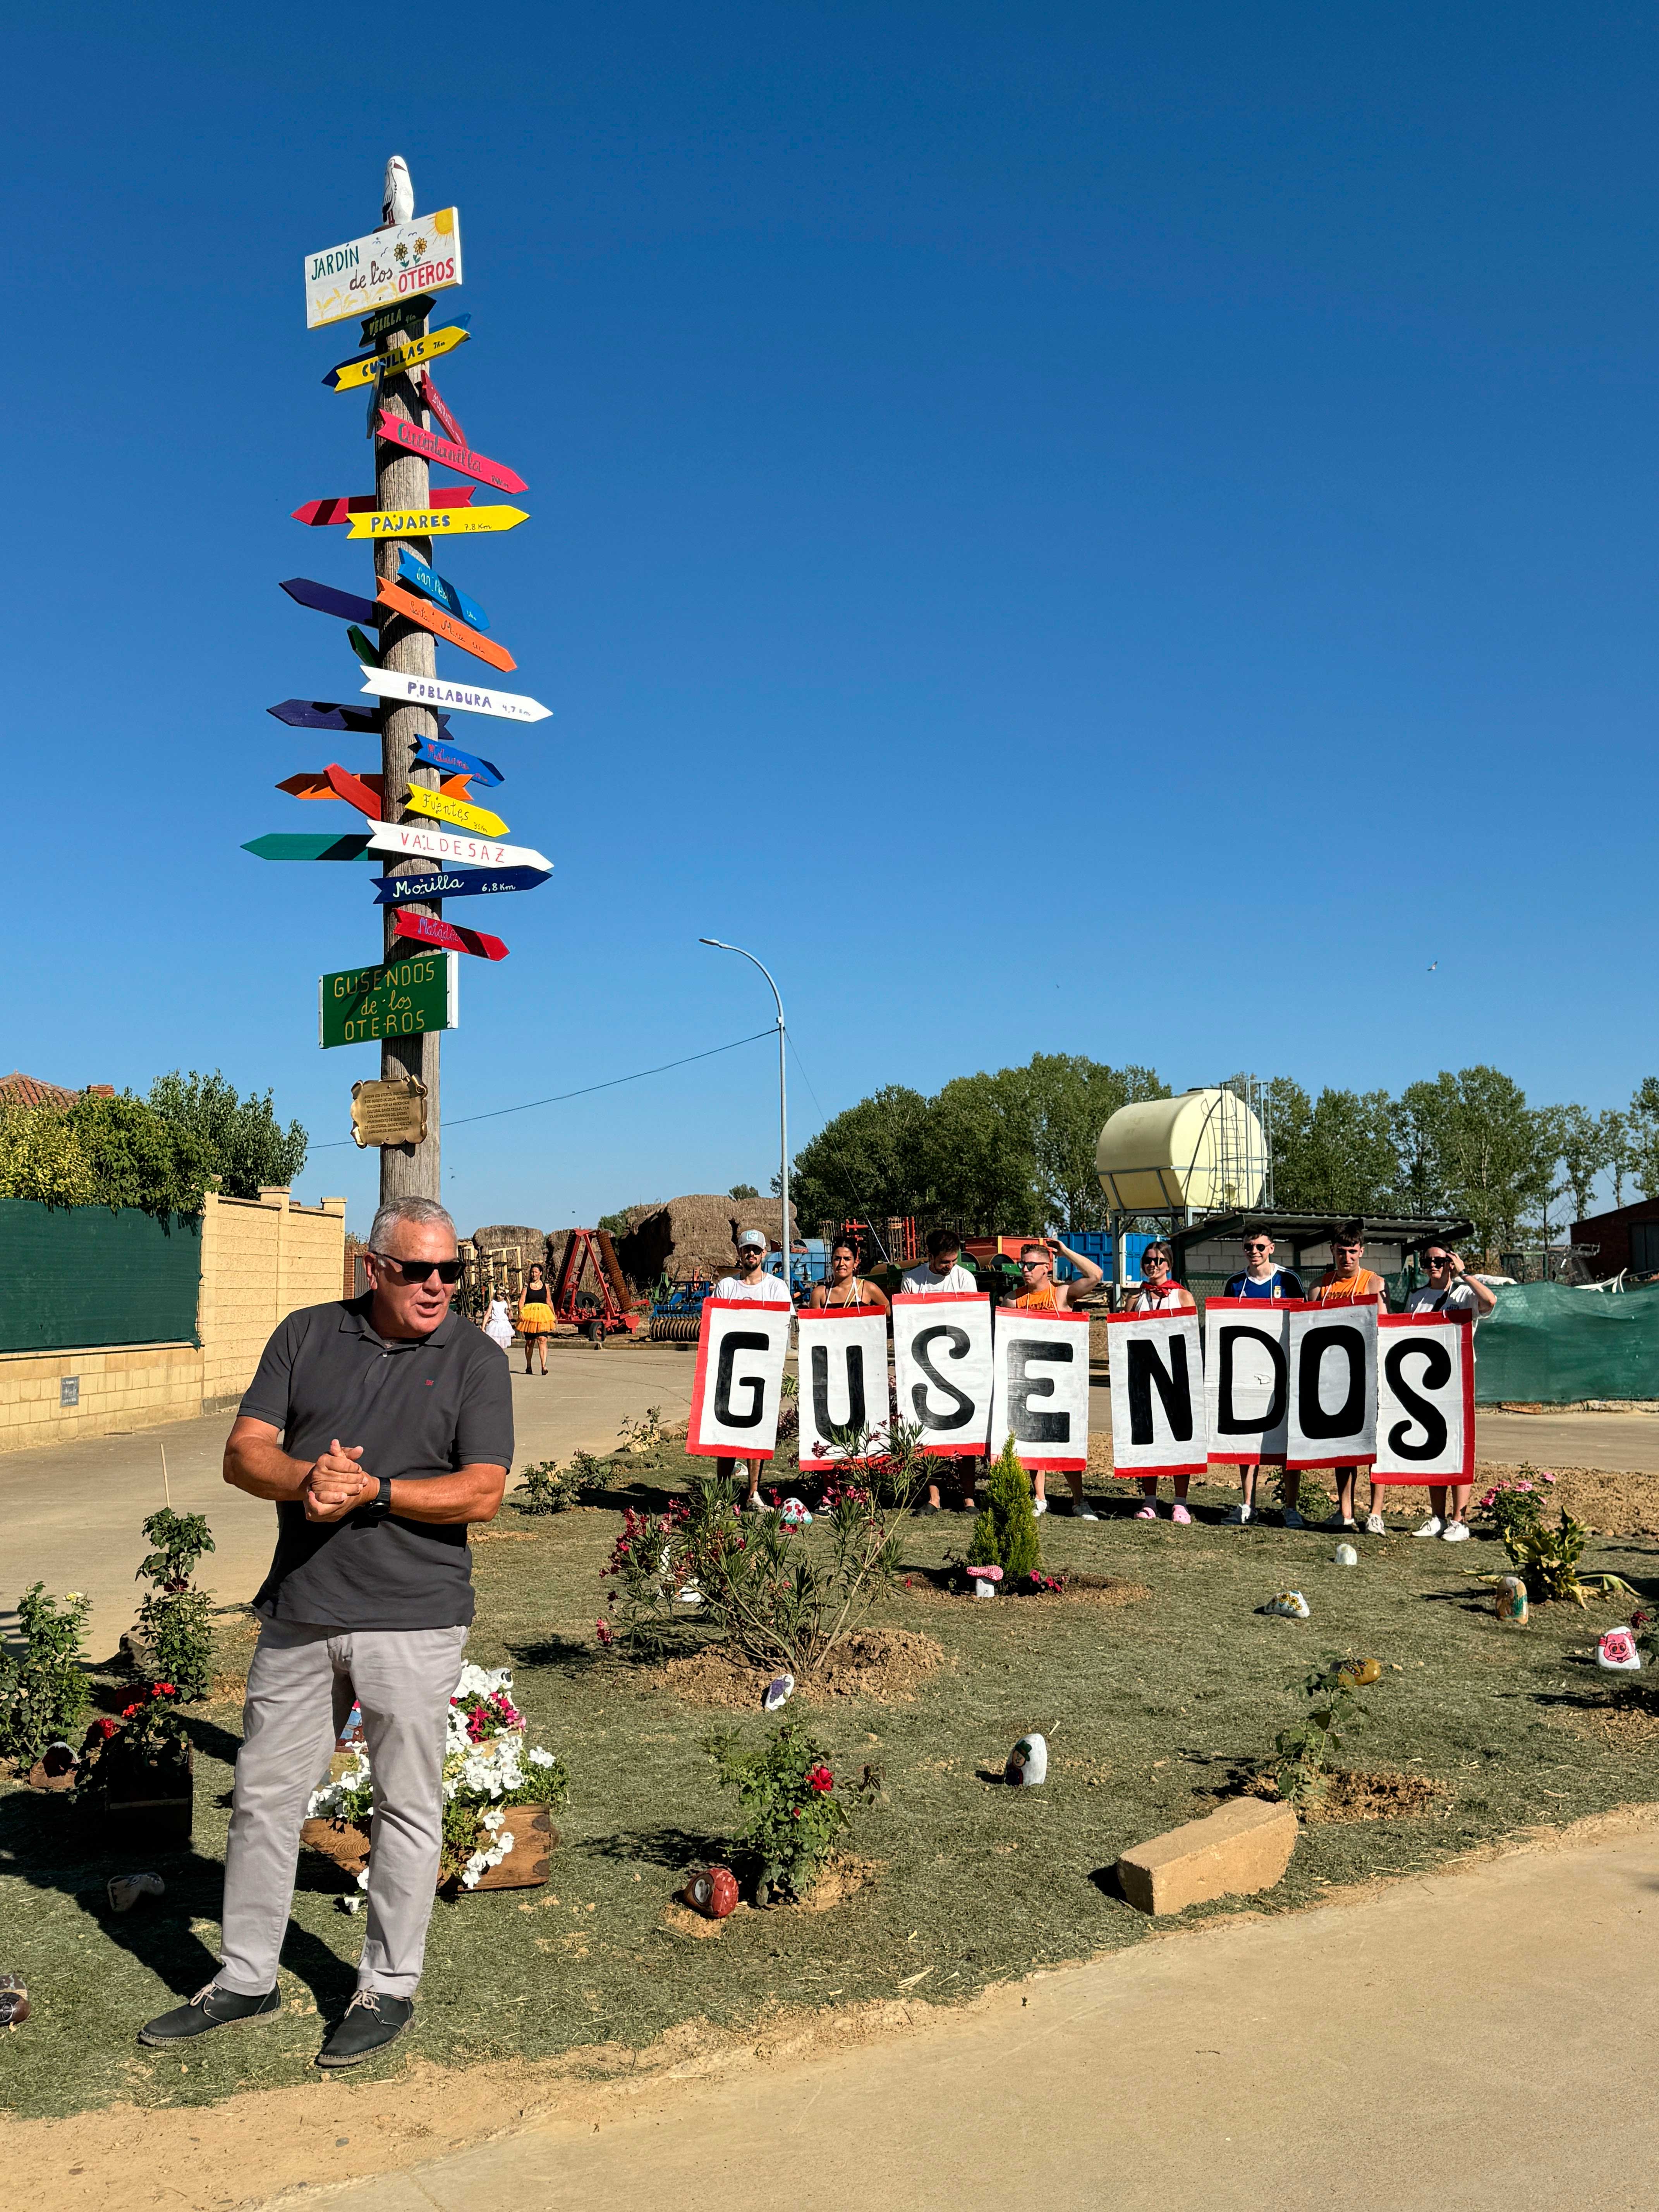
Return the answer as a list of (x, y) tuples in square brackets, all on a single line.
[(1290, 1603), (688, 1594), (1028, 1762), (779, 1691), (1359, 1673), (126, 1889), (14, 2001), (793, 1514), (1510, 1601), (1346, 1556), (983, 1587), (1617, 1653), (713, 1893)]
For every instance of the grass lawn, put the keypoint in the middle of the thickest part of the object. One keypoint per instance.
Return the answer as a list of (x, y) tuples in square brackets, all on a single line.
[(1148, 1706)]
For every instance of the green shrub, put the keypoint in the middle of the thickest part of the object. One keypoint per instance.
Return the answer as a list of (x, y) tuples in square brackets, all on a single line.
[(1005, 1532), (173, 1619), (1304, 1752), (44, 1695), (787, 1788), (547, 1487)]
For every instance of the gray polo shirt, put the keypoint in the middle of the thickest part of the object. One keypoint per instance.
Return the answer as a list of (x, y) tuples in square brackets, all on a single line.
[(419, 1407)]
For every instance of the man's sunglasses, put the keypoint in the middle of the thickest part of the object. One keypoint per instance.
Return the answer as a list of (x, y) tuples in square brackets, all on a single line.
[(1260, 1245), (1028, 1264), (1439, 1258), (418, 1271)]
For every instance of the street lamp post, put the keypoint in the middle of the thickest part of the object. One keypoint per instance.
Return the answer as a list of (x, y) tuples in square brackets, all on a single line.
[(783, 1100)]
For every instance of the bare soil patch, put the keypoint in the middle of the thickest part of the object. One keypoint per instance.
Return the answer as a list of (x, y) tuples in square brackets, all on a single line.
[(1607, 1501), (1377, 1793), (881, 1665)]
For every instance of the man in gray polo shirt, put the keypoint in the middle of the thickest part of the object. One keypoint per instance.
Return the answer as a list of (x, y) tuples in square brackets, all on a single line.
[(380, 1426)]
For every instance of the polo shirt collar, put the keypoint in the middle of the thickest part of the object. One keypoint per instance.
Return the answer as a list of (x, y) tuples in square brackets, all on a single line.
[(355, 1318)]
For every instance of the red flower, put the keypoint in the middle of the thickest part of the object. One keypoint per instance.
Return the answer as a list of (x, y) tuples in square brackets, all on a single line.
[(127, 1711), (162, 1690), (820, 1778), (602, 1629), (105, 1728)]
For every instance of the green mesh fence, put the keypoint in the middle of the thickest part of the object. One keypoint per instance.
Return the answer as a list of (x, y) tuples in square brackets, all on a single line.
[(82, 1275), (1550, 1345)]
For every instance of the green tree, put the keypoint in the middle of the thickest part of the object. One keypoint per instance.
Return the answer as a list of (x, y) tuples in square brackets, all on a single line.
[(980, 1149), (1484, 1153), (1585, 1145), (744, 1190), (1070, 1100), (868, 1160), (241, 1137), (41, 1158), (1641, 1147), (1005, 1532), (1337, 1155), (139, 1159)]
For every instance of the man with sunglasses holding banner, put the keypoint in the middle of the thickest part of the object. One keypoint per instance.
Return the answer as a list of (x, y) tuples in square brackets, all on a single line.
[(1261, 1279), (380, 1427)]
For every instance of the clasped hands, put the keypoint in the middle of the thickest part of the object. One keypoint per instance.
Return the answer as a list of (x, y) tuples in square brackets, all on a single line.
[(337, 1484)]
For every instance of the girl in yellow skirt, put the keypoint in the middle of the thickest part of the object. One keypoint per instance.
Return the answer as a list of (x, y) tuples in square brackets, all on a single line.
[(535, 1319)]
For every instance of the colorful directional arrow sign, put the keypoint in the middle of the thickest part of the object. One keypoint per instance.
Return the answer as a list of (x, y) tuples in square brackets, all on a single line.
[(370, 368), (452, 848), (302, 845), (436, 521), (456, 883), (389, 266), (419, 578), (454, 454), (366, 652), (426, 929), (430, 393), (466, 698), (313, 783), (437, 806), (325, 714), (328, 513), (444, 625), (404, 316), (327, 601), (354, 790), (431, 752)]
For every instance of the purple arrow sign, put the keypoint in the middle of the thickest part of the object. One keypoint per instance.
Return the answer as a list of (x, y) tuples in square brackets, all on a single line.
[(324, 715), (327, 601), (431, 754), (455, 883)]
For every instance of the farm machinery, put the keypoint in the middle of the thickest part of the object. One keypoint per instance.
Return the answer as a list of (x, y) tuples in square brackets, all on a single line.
[(599, 1309)]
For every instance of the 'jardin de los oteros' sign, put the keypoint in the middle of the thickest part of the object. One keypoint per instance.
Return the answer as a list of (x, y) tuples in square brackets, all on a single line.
[(406, 257)]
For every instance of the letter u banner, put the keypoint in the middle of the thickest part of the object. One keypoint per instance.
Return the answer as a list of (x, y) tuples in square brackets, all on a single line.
[(739, 1384), (942, 1366), (1040, 1392), (1157, 1394), (843, 1383), (1425, 1397)]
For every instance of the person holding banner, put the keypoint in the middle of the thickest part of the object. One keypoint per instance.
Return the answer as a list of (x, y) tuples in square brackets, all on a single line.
[(942, 1275), (1261, 1279), (1346, 1283), (846, 1287), (1043, 1294), (1449, 1290), (753, 1284), (1159, 1293)]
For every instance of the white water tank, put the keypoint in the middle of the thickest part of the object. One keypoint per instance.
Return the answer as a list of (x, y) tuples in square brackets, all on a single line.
[(1204, 1150)]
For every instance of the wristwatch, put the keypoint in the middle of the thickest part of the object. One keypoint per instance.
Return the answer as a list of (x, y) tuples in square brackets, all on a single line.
[(383, 1495)]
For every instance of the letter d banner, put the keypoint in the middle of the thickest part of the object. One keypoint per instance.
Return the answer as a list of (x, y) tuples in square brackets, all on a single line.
[(1159, 1425), (738, 1385)]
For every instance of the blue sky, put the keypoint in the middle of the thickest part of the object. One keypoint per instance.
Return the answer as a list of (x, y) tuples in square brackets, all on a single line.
[(1061, 528)]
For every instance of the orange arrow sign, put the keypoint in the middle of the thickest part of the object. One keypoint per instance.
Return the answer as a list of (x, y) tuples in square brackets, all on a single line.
[(444, 625), (314, 783)]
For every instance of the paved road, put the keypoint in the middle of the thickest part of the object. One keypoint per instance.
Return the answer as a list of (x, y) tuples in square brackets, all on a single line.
[(1475, 2038), (1625, 1443), (72, 1512)]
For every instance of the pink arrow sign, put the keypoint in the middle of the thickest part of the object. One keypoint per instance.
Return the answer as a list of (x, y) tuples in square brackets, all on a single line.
[(317, 513), (438, 408), (425, 929), (461, 459)]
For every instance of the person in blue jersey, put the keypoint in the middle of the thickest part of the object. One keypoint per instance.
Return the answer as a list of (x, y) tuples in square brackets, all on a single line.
[(1262, 1279)]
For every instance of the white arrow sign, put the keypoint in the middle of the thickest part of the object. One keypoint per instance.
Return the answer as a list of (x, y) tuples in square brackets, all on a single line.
[(449, 848), (470, 698)]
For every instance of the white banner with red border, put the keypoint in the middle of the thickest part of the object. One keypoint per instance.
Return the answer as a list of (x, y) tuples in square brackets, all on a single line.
[(737, 1389), (1424, 1399), (1039, 1387), (843, 1383), (942, 1366)]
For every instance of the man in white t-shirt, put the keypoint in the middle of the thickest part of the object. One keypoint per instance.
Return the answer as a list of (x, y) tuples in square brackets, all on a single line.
[(942, 1275), (1449, 1290), (751, 1284)]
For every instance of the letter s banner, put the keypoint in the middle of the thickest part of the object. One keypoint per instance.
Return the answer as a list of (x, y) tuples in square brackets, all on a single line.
[(1425, 1397), (843, 1382), (1158, 1424), (942, 1368), (1040, 1387), (739, 1386)]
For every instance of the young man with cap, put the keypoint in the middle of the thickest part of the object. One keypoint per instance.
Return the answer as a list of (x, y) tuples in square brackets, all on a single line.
[(1449, 1290), (380, 1426), (752, 1283), (942, 1275), (1042, 1294), (1261, 1279)]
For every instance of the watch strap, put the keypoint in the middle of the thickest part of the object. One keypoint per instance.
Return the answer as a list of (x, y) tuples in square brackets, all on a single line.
[(383, 1493)]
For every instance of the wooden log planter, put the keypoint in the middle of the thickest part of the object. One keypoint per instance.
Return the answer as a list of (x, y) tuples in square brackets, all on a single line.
[(526, 1866), (149, 1801)]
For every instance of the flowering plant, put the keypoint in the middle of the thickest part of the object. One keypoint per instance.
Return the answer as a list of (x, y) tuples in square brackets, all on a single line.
[(646, 1571), (1516, 1502), (787, 1789), (488, 1767)]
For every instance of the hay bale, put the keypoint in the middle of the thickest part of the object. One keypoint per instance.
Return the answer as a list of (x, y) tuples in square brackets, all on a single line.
[(505, 1253), (695, 1233)]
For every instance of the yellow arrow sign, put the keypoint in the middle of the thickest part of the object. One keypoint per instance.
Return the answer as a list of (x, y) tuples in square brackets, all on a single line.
[(437, 806), (436, 521), (353, 373)]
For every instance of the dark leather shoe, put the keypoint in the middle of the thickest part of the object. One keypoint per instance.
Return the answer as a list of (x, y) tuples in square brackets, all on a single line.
[(211, 2007), (372, 2020)]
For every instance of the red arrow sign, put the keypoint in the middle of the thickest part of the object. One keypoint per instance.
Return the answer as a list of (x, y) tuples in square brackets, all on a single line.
[(461, 459), (318, 513), (425, 929), (313, 783), (445, 625), (354, 790), (436, 405)]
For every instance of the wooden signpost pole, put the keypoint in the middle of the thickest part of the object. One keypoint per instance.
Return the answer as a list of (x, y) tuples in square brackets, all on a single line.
[(400, 481)]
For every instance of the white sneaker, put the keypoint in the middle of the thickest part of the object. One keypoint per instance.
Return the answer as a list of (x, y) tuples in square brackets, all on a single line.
[(1431, 1527), (1238, 1516), (1456, 1532), (1292, 1518), (756, 1504), (1039, 1506), (1376, 1525), (1082, 1511)]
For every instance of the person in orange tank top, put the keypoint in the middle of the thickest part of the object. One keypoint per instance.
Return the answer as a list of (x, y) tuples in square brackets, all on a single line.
[(1345, 1283), (1043, 1294)]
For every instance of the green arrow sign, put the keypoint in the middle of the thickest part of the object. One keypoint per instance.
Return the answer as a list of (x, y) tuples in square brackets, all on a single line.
[(400, 998), (308, 845)]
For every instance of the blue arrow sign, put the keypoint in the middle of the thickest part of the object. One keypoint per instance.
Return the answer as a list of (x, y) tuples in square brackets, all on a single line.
[(455, 883), (327, 601), (324, 715), (440, 590), (431, 753)]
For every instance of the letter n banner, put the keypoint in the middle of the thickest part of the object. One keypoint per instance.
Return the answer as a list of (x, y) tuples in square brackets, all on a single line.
[(1040, 1389), (1157, 1394), (739, 1380), (1425, 1397), (942, 1365), (843, 1383)]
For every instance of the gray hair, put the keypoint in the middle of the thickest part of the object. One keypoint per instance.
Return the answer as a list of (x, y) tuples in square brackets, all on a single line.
[(408, 1209)]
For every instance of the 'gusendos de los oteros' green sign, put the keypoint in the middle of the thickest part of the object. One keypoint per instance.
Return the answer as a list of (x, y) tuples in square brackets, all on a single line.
[(401, 998)]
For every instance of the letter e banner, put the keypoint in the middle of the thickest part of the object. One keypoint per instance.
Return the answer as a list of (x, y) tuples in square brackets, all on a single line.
[(843, 1382), (1158, 1425), (738, 1385), (1333, 1385), (1247, 1378), (1040, 1387), (1425, 1397), (942, 1364)]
